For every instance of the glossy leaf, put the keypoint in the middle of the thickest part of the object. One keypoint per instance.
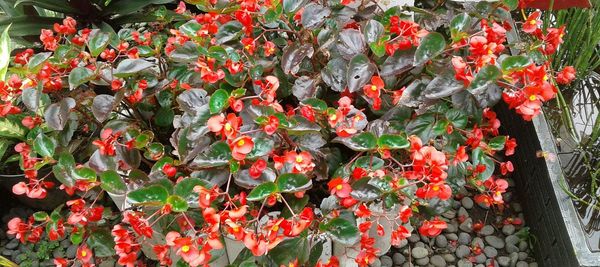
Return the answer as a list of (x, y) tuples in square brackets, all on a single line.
[(36, 61), (497, 143), (363, 191), (515, 63), (290, 6), (350, 43), (44, 145), (79, 76), (373, 30), (185, 189), (112, 182), (154, 195), (293, 182), (98, 42), (102, 106), (262, 191), (218, 154), (460, 22), (102, 243), (4, 53), (178, 204), (360, 72), (342, 231), (304, 88), (314, 16), (129, 67), (334, 74), (487, 75), (361, 142), (262, 147), (431, 45), (293, 56), (388, 141), (443, 86), (219, 101), (11, 127)]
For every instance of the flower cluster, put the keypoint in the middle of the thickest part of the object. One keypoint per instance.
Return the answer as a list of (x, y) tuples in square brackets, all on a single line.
[(271, 125)]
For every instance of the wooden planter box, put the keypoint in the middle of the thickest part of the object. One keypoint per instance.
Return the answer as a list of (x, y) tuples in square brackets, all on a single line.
[(548, 210)]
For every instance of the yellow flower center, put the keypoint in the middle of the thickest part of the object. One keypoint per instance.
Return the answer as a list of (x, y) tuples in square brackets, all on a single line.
[(241, 142), (339, 187), (498, 193), (247, 47), (561, 35), (185, 248), (275, 228), (490, 51), (436, 188), (236, 229), (298, 158), (333, 117), (532, 97), (373, 88), (83, 253), (228, 126), (545, 77), (532, 22)]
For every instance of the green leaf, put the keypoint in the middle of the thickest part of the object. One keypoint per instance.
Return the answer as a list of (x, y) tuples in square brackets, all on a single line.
[(41, 216), (515, 63), (178, 204), (487, 75), (373, 30), (293, 182), (190, 28), (497, 143), (44, 145), (36, 61), (154, 195), (79, 76), (362, 142), (290, 6), (431, 45), (11, 127), (369, 163), (129, 67), (54, 5), (218, 154), (457, 117), (422, 126), (388, 141), (64, 169), (185, 189), (479, 157), (262, 191), (112, 182), (342, 231), (4, 53), (101, 241), (98, 42), (77, 237), (218, 53), (511, 4), (84, 173), (460, 23), (262, 147), (164, 117), (219, 100), (281, 253), (317, 104)]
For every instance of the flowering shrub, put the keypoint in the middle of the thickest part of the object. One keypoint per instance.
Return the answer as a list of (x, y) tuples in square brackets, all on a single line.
[(270, 123)]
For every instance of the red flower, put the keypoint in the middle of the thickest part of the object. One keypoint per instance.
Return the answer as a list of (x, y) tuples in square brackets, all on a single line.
[(432, 228), (308, 112), (269, 48), (169, 170), (228, 126), (249, 45), (106, 143), (506, 167), (180, 8), (240, 147), (373, 90), (61, 262), (461, 155), (509, 146), (339, 187), (405, 213), (399, 234), (532, 23), (566, 75), (302, 162), (439, 190), (49, 40), (271, 126), (257, 168), (84, 254)]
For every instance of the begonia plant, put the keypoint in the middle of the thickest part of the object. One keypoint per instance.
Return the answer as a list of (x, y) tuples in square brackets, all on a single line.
[(276, 124)]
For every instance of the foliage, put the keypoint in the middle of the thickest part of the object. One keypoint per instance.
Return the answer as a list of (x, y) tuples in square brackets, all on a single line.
[(266, 123)]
